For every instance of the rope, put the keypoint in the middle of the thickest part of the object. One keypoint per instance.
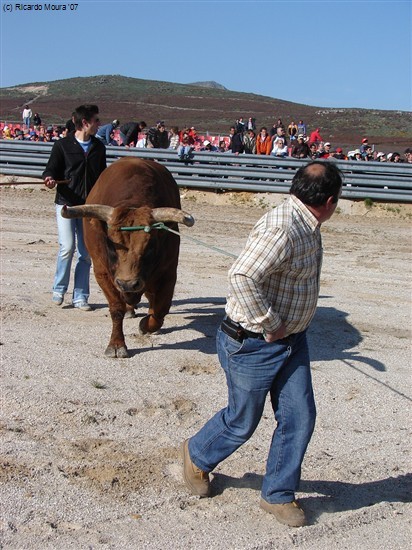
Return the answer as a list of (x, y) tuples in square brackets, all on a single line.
[(161, 225), (145, 228)]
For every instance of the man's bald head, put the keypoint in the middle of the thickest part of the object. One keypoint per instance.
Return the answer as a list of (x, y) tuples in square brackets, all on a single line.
[(314, 183)]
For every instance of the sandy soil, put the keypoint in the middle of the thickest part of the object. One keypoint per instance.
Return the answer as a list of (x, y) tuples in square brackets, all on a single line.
[(90, 445)]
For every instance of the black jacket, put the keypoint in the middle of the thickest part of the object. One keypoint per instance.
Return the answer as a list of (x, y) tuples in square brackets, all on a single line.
[(236, 144), (68, 161), (131, 131), (157, 139)]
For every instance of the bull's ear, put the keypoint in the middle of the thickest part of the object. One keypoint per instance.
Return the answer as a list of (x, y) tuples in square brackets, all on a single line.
[(99, 211), (172, 215)]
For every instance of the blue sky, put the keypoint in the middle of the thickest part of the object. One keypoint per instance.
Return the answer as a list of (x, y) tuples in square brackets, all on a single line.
[(322, 53)]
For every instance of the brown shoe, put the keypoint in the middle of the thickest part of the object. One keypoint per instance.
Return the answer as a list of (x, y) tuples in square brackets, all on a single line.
[(197, 480), (288, 513)]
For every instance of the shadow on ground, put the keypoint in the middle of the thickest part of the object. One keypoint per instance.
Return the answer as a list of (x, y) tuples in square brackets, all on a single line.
[(331, 496), (331, 336)]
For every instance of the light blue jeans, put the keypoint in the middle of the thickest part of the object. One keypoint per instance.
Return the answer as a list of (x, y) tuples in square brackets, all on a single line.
[(253, 369), (70, 233)]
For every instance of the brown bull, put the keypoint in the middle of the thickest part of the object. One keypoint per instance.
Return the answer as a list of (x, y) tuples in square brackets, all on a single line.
[(128, 264)]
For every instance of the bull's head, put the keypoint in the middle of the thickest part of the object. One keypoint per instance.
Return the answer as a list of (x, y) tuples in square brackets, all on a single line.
[(133, 256)]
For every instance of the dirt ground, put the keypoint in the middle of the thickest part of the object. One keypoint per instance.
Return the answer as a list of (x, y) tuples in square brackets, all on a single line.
[(90, 446)]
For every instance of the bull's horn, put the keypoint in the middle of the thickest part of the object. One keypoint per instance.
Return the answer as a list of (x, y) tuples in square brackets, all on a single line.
[(172, 215), (99, 211)]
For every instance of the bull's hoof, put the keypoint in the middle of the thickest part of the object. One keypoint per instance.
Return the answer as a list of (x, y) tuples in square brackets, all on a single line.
[(116, 353), (149, 324)]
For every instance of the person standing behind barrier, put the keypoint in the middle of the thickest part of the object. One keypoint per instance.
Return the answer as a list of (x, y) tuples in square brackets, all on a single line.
[(301, 149), (240, 126), (26, 115), (208, 147), (280, 133), (81, 158), (276, 126), (185, 150), (249, 142), (222, 146), (324, 151), (251, 124), (396, 157), (157, 136), (365, 144), (368, 153), (36, 121), (174, 137), (313, 151), (339, 154), (70, 126), (302, 128), (236, 141), (279, 148), (355, 155), (315, 137), (104, 132), (262, 346), (162, 137), (263, 142), (292, 131), (129, 132)]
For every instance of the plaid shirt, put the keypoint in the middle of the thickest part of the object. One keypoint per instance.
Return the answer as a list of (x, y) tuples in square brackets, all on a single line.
[(276, 278)]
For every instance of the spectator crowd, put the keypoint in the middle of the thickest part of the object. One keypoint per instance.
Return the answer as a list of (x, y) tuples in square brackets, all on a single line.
[(243, 138)]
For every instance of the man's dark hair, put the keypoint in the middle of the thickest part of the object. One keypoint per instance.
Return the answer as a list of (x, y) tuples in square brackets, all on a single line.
[(84, 112), (314, 183)]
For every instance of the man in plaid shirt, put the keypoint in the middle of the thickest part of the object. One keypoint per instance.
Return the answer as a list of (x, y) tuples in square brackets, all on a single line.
[(262, 347)]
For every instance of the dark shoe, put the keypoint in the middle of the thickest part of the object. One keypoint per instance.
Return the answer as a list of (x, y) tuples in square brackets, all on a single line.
[(288, 513), (197, 480)]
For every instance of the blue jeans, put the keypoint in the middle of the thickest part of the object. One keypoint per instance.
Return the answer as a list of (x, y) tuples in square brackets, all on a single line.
[(69, 231), (253, 369)]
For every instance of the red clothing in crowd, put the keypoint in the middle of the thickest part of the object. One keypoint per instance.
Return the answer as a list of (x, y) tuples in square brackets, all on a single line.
[(263, 147), (315, 136)]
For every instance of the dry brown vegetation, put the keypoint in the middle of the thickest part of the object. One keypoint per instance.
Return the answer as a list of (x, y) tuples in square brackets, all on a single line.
[(209, 108)]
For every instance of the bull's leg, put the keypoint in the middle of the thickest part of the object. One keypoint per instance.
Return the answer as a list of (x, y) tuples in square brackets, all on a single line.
[(117, 345), (160, 300), (117, 307)]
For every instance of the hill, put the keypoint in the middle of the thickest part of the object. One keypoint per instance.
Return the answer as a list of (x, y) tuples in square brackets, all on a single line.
[(206, 105), (208, 84)]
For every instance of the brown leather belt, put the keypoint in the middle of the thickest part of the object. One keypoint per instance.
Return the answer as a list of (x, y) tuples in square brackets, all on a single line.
[(237, 332)]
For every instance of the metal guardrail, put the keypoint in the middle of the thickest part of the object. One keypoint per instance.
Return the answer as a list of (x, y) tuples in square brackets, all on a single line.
[(386, 182)]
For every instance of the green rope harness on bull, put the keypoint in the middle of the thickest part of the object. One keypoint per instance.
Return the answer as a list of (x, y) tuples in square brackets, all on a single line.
[(161, 225), (145, 228)]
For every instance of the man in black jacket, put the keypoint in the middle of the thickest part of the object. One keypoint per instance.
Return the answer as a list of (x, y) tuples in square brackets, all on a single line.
[(236, 141), (81, 158), (157, 136), (129, 132)]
